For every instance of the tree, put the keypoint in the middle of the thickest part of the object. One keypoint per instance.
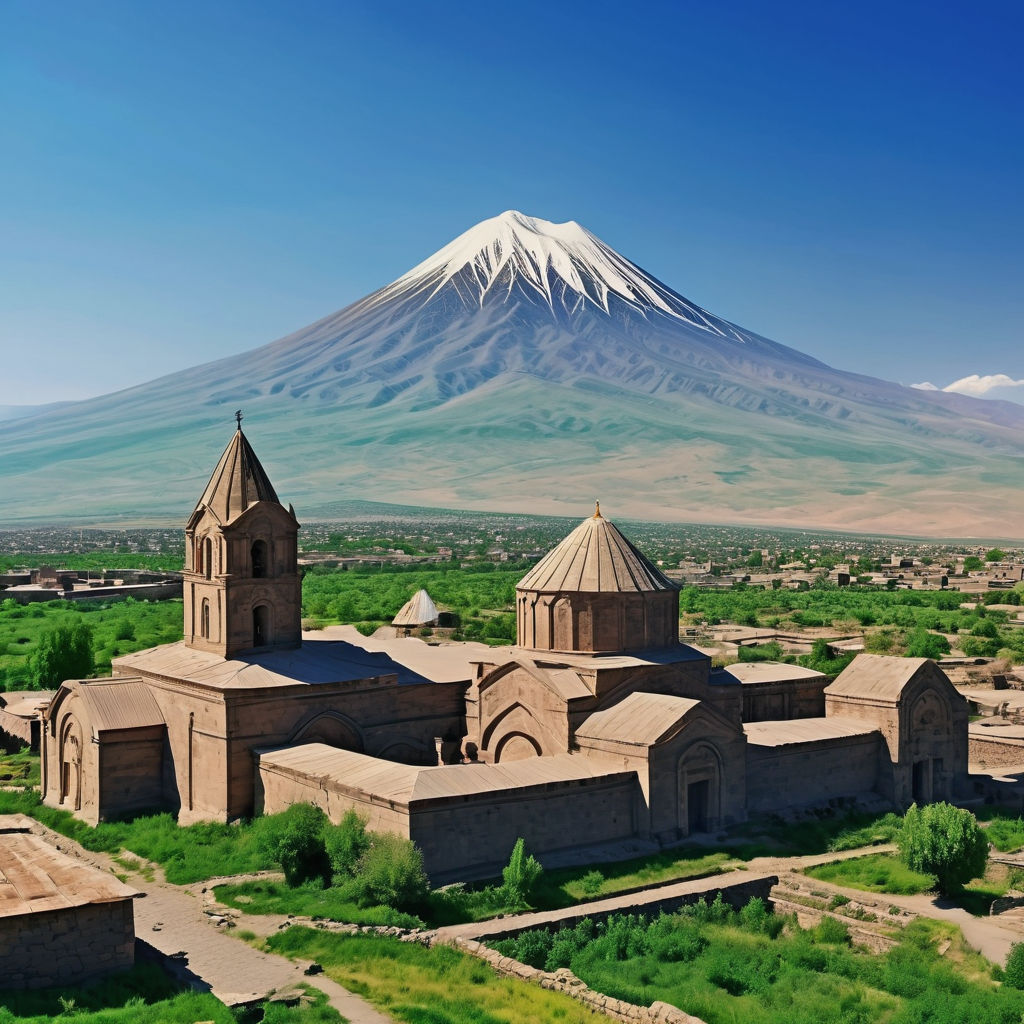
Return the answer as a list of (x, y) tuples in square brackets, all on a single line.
[(390, 873), (520, 875), (995, 555), (972, 563), (944, 841), (61, 653), (922, 644)]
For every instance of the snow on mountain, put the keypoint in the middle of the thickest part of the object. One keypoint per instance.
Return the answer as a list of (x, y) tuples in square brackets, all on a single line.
[(564, 264)]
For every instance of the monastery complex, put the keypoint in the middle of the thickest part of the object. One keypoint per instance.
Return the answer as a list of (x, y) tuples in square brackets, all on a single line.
[(598, 726)]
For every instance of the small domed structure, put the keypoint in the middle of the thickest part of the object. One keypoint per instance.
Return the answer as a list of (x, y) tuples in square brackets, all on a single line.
[(596, 593)]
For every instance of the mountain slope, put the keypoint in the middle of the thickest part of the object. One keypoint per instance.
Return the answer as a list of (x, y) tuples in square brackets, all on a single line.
[(528, 366)]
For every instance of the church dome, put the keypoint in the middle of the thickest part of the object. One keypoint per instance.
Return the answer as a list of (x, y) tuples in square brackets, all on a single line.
[(595, 558), (596, 593), (237, 482)]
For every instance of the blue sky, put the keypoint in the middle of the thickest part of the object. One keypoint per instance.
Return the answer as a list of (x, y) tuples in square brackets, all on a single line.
[(184, 181)]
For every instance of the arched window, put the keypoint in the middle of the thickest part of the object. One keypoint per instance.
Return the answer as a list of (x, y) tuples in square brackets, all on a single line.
[(259, 559), (207, 557), (204, 619), (260, 626)]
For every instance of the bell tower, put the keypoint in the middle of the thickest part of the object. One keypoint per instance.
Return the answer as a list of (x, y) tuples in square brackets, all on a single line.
[(242, 586)]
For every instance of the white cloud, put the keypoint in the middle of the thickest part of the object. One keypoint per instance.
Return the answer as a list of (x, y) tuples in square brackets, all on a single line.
[(925, 385), (976, 385)]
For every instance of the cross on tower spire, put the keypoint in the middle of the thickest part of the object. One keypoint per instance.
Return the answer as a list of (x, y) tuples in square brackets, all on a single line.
[(238, 418)]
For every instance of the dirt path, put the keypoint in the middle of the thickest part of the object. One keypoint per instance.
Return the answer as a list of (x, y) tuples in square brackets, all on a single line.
[(173, 921)]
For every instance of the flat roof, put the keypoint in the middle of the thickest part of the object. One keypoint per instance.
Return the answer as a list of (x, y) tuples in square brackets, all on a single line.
[(34, 877), (343, 655), (804, 730), (752, 672), (404, 783)]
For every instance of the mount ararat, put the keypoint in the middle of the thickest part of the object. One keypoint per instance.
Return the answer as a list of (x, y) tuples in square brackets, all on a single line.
[(529, 367)]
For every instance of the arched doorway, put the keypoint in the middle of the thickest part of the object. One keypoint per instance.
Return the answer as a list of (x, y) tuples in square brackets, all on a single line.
[(71, 765), (700, 789), (260, 626)]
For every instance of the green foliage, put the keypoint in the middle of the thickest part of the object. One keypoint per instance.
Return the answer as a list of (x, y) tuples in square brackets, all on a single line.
[(61, 653), (389, 873), (945, 841), (314, 900), (972, 563), (346, 843), (1013, 973), (420, 985), (874, 873), (922, 644), (295, 840), (520, 876), (771, 651), (728, 966), (995, 555)]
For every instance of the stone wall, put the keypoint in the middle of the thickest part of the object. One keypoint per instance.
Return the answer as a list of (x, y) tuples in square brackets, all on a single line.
[(567, 982), (68, 946), (810, 773), (985, 752), (472, 836)]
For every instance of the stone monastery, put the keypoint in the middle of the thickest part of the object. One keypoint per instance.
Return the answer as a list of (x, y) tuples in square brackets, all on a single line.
[(598, 726)]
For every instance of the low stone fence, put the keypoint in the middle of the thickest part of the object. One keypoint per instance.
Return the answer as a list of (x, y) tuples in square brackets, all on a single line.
[(565, 981)]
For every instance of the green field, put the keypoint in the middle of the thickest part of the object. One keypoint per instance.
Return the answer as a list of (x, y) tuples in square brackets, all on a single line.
[(752, 967)]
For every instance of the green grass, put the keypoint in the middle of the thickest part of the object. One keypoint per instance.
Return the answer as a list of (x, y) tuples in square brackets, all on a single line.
[(417, 985), (1004, 828), (20, 769), (308, 901), (187, 854), (877, 872), (144, 994), (729, 968)]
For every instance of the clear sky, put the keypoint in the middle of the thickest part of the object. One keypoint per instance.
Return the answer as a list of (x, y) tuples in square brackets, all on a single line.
[(181, 181)]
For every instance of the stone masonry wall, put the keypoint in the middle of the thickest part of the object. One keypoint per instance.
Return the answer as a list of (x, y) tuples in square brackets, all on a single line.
[(66, 947)]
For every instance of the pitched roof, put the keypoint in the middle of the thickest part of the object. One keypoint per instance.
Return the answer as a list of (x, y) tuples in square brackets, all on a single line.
[(876, 676), (804, 730), (34, 877), (238, 482), (595, 558), (752, 672), (641, 718), (119, 703), (419, 610)]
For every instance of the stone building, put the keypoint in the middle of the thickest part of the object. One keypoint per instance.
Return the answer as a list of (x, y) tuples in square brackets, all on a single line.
[(597, 726), (61, 922)]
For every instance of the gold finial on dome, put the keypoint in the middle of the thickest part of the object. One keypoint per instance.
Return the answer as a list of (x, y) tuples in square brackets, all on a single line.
[(597, 510)]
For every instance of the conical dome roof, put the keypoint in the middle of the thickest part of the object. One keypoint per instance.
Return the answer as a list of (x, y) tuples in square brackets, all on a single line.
[(595, 558), (238, 482)]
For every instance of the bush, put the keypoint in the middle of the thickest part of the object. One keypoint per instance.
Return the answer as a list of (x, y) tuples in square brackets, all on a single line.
[(295, 839), (389, 872), (944, 841), (520, 875), (346, 843), (1014, 972)]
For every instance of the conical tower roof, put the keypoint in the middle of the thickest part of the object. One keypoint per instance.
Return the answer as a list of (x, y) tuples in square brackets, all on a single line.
[(238, 482), (595, 558)]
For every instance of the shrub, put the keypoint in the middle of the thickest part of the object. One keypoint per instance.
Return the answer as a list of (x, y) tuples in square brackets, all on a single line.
[(295, 839), (389, 872), (829, 930), (944, 841), (346, 843), (591, 883), (1014, 972), (520, 875)]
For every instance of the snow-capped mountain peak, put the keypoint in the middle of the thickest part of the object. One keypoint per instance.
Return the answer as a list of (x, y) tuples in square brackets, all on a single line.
[(563, 265)]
